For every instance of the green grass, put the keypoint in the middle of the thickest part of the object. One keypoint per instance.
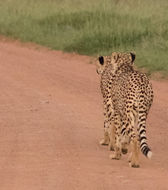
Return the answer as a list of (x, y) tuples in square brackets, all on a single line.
[(92, 27)]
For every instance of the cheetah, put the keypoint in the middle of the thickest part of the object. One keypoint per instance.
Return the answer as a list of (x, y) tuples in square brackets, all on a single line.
[(127, 99)]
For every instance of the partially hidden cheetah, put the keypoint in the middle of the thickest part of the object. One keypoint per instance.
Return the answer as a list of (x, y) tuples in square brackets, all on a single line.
[(127, 98)]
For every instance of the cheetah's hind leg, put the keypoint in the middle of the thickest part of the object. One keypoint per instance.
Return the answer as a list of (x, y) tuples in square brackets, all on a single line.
[(125, 145), (124, 148), (134, 156), (112, 137), (110, 146), (116, 155)]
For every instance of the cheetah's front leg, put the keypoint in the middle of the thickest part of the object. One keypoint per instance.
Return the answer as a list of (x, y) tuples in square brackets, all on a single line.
[(106, 138)]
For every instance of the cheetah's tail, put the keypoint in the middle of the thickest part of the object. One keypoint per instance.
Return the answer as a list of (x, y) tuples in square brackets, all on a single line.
[(143, 142)]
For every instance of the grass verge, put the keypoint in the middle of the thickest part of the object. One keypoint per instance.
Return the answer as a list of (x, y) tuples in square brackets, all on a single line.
[(92, 27)]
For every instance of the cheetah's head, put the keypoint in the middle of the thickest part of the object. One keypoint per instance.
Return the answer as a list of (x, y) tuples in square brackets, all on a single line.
[(116, 60)]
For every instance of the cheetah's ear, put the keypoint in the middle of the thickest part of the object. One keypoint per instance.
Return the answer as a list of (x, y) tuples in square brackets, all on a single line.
[(132, 56), (101, 60)]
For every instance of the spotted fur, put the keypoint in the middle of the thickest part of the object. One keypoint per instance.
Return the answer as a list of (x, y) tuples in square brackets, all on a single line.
[(127, 98)]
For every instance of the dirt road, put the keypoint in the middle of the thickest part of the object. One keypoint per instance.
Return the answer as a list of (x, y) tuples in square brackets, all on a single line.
[(51, 122)]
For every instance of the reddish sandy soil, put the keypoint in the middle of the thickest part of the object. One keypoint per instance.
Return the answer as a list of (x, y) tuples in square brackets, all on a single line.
[(51, 123)]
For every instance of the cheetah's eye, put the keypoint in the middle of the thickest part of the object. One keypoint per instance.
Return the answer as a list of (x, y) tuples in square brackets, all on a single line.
[(101, 60)]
